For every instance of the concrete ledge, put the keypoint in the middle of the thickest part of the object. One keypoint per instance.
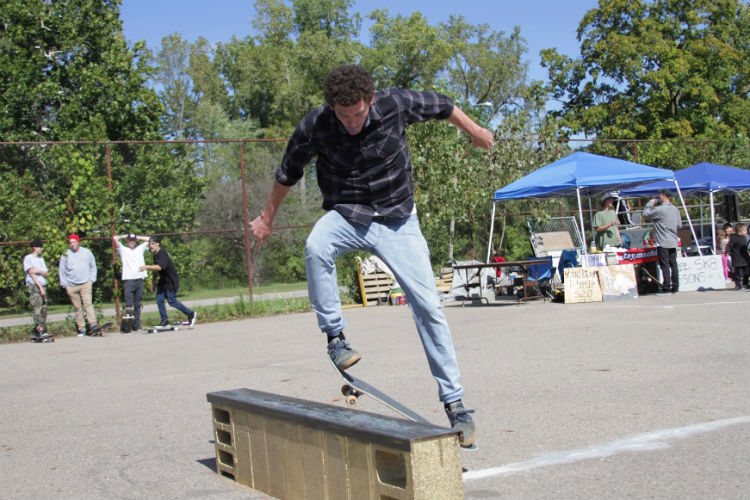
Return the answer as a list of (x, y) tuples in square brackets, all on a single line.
[(293, 448)]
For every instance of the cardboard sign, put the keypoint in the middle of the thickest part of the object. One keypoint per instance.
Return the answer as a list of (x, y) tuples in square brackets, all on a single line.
[(582, 285), (700, 273), (617, 282)]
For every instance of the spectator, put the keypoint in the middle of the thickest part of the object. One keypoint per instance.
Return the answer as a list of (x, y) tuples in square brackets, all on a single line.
[(737, 250), (667, 220), (169, 282), (37, 273), (131, 258), (77, 274), (605, 223)]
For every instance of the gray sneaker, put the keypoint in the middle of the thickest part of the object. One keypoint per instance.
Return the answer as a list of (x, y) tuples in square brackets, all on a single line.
[(342, 354), (461, 421)]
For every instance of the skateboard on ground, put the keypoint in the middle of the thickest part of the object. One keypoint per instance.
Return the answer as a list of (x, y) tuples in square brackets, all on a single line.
[(160, 328), (97, 332), (185, 325), (126, 324), (48, 337), (355, 387)]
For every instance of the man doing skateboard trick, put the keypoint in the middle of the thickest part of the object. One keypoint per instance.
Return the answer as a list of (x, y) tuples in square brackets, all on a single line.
[(365, 175)]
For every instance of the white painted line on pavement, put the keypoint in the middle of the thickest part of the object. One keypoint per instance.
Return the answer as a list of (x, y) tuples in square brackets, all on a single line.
[(620, 305), (640, 442)]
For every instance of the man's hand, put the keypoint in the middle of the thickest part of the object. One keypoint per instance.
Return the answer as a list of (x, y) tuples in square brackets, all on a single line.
[(262, 229), (483, 138)]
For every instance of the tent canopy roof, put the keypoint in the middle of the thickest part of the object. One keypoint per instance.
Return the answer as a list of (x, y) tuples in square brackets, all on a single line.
[(700, 178), (590, 173)]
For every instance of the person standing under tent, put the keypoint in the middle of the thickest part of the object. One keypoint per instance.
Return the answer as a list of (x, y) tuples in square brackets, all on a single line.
[(667, 220)]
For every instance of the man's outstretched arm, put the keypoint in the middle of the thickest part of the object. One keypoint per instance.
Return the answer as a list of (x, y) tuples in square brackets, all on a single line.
[(480, 137), (262, 226)]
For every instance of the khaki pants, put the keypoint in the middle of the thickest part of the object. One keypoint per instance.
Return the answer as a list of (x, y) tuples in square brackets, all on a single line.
[(80, 297)]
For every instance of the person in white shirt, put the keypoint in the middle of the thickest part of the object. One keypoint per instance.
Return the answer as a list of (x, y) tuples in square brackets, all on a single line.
[(37, 273), (131, 258)]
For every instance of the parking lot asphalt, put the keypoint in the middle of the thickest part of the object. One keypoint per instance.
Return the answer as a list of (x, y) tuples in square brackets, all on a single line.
[(644, 398)]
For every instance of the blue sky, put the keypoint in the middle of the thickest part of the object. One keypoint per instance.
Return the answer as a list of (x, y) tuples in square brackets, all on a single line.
[(544, 23)]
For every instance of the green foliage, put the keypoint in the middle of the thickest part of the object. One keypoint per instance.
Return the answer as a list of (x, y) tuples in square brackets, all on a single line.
[(652, 70), (658, 70)]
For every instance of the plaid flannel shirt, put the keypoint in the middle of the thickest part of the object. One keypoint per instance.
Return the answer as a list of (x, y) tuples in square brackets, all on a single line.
[(370, 173)]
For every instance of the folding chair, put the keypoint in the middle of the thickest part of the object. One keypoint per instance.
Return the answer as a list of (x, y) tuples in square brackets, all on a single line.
[(568, 258), (536, 279)]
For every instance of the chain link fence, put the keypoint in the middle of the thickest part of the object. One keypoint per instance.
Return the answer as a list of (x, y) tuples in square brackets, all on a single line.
[(199, 197)]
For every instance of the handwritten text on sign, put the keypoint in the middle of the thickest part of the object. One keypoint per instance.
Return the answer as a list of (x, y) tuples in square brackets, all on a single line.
[(701, 273), (582, 285)]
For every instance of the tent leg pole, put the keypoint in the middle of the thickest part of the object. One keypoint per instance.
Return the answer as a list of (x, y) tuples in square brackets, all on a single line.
[(713, 220), (687, 215), (580, 219), (492, 228)]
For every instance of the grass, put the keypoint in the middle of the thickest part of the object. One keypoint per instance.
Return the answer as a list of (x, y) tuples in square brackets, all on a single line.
[(241, 308), (197, 294)]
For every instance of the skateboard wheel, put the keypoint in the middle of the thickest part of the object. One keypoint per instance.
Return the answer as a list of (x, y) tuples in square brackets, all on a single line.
[(351, 400), (347, 390)]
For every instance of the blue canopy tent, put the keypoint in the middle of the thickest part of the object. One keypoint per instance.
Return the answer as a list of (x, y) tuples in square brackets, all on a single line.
[(578, 173), (702, 178)]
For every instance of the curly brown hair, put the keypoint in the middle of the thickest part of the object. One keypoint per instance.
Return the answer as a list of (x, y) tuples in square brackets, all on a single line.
[(347, 85)]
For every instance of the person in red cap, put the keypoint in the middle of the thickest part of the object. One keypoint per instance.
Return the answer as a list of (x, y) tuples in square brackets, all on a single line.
[(77, 273)]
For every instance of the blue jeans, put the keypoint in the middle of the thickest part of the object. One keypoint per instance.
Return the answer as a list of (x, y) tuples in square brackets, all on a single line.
[(400, 244), (171, 296)]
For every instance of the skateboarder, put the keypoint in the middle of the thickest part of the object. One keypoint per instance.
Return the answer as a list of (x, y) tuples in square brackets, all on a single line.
[(364, 172), (169, 282), (77, 273), (131, 257), (36, 282)]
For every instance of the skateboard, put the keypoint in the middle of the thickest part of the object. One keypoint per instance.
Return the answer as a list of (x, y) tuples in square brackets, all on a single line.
[(355, 387), (126, 324), (167, 328), (47, 338), (101, 329)]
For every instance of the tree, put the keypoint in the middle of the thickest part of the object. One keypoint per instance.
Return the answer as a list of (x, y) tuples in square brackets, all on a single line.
[(454, 182), (69, 75), (659, 69), (405, 51), (176, 86)]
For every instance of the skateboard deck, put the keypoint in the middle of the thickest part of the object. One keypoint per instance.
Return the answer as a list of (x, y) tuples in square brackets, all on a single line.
[(355, 387), (158, 328), (48, 338), (102, 328)]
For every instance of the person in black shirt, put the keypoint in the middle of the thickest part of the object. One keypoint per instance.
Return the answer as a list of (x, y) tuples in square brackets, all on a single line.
[(169, 282), (364, 172)]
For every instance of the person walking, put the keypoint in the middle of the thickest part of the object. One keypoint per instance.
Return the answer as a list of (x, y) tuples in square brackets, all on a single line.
[(77, 273), (131, 258), (667, 220), (169, 282), (364, 172), (36, 274)]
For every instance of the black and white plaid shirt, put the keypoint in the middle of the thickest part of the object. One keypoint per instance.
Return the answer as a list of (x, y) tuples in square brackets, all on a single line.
[(366, 174)]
